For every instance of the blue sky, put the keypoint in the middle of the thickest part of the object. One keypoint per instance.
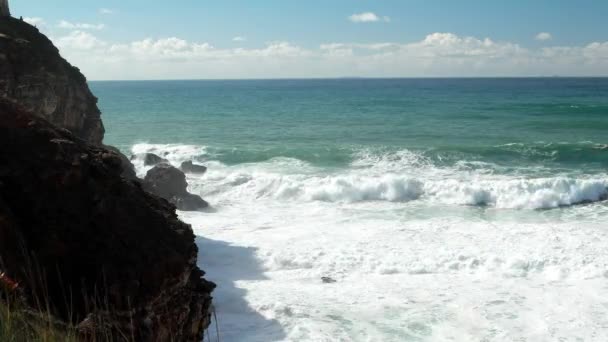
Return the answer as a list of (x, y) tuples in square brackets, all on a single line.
[(208, 39)]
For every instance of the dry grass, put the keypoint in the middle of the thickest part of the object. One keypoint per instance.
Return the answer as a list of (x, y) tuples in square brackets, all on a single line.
[(18, 324)]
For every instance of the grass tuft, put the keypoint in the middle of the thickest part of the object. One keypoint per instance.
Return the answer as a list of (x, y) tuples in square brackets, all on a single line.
[(18, 324)]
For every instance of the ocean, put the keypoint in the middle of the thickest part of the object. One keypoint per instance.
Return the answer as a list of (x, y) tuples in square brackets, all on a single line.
[(440, 209)]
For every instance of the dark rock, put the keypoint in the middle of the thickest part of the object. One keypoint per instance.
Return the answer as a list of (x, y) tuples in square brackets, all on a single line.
[(189, 202), (166, 181), (328, 280), (190, 167), (128, 170), (72, 228), (4, 10), (34, 74), (153, 159), (170, 183)]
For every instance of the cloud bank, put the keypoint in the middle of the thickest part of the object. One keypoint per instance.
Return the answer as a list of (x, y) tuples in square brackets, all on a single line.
[(436, 55)]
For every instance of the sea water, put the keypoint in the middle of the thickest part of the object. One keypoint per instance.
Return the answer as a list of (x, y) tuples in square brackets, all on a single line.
[(443, 209)]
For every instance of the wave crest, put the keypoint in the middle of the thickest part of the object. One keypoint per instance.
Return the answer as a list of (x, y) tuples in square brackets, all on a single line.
[(391, 177), (543, 193)]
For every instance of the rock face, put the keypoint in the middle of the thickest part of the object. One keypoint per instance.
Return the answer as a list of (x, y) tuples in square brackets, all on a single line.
[(190, 167), (170, 183), (4, 11), (34, 74), (72, 227)]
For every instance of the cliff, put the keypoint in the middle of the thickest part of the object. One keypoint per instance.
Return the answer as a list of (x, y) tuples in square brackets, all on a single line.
[(79, 237), (104, 254), (33, 73), (4, 10)]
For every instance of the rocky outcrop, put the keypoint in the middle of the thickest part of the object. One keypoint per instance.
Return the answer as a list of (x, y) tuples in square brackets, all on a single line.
[(170, 183), (105, 254), (190, 167), (34, 74)]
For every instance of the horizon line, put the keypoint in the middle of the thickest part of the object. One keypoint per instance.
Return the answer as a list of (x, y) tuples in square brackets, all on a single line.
[(343, 78)]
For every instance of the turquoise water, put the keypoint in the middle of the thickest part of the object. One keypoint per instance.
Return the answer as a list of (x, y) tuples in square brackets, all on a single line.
[(444, 209), (557, 122)]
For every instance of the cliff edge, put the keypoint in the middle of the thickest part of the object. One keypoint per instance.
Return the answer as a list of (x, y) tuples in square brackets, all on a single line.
[(33, 73), (98, 250), (79, 237)]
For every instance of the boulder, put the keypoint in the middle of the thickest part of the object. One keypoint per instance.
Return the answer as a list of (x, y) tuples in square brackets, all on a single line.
[(170, 183), (153, 159), (72, 227), (190, 167), (166, 181), (189, 202)]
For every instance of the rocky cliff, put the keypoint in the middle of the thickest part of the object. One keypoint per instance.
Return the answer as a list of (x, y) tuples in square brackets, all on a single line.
[(79, 237), (4, 10), (33, 73), (103, 253)]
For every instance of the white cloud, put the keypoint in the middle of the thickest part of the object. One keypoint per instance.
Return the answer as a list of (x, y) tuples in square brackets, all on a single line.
[(543, 36), (79, 26), (239, 39), (437, 54), (79, 41), (367, 17), (36, 21), (105, 11)]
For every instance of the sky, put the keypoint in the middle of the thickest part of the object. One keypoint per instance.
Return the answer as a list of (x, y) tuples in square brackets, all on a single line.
[(234, 39)]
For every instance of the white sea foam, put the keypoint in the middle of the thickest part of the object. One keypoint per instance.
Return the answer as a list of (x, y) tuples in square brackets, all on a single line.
[(542, 193), (375, 178), (172, 152), (411, 258), (397, 278)]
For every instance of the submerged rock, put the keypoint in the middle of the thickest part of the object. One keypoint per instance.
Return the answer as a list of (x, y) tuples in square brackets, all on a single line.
[(328, 280), (189, 202), (170, 183), (152, 159), (190, 167), (72, 227)]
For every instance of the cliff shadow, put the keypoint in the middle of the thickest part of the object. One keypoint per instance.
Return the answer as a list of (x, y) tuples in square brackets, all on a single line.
[(225, 264)]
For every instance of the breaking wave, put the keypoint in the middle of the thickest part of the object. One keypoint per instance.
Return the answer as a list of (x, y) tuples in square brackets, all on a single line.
[(403, 176)]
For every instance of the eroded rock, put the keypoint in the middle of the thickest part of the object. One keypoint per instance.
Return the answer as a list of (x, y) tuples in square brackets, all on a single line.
[(34, 74), (119, 253)]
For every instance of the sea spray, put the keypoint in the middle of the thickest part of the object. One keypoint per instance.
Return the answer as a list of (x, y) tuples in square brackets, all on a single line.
[(399, 177)]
